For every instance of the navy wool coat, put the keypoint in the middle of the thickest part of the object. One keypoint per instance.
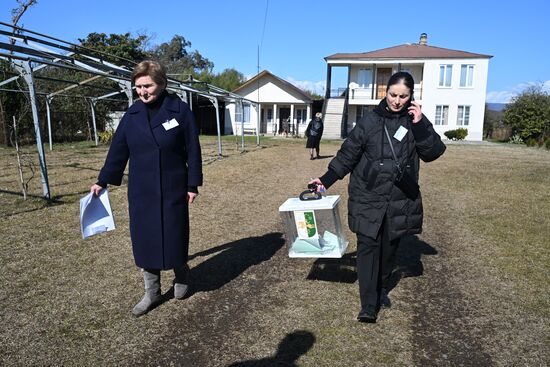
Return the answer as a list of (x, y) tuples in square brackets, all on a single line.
[(163, 164)]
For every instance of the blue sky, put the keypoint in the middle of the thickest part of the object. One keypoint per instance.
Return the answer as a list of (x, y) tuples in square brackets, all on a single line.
[(299, 34)]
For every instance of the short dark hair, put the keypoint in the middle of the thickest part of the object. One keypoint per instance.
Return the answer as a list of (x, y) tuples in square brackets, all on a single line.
[(150, 68), (401, 77)]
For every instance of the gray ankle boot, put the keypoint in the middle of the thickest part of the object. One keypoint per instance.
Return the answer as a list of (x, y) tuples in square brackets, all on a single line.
[(181, 281), (152, 293)]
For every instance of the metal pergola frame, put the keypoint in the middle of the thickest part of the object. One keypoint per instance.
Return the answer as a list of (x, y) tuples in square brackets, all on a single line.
[(29, 51)]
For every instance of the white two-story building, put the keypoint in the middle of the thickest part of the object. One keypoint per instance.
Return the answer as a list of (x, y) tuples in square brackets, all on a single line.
[(449, 84)]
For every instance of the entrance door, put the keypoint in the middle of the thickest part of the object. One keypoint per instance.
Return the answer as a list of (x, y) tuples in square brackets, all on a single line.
[(382, 77), (284, 114)]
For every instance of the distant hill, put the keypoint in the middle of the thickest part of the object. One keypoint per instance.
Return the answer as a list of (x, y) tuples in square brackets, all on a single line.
[(496, 106)]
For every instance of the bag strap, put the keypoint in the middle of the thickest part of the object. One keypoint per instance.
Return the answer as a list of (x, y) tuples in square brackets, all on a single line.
[(392, 150)]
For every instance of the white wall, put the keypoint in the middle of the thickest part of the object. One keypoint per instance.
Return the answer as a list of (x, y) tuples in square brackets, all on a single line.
[(427, 82), (456, 95), (235, 126)]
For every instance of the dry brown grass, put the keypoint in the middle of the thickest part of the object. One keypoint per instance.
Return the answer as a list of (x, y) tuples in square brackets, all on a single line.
[(483, 298)]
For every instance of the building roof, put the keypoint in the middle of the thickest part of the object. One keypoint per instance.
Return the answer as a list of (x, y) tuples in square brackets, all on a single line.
[(409, 51), (265, 73)]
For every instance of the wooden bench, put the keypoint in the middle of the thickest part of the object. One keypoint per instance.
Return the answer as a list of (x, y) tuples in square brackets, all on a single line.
[(249, 130)]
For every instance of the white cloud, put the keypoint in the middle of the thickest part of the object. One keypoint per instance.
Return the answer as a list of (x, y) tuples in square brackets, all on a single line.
[(507, 95), (317, 87)]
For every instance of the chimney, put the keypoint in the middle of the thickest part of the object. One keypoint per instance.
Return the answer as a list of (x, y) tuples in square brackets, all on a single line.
[(423, 39)]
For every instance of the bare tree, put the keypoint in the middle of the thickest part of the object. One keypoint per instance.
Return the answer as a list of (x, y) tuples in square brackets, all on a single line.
[(22, 160), (18, 12)]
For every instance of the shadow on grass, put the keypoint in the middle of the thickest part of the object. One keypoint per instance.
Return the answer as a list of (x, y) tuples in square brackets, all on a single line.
[(324, 156), (344, 270), (231, 260), (341, 270), (409, 259), (292, 347)]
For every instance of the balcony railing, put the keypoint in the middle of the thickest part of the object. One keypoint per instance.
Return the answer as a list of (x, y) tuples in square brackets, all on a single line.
[(374, 93), (338, 93)]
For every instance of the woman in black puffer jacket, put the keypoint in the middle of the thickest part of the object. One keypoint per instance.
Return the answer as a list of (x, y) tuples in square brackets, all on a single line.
[(379, 212)]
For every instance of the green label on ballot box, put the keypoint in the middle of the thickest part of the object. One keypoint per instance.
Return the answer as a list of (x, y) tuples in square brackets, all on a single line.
[(305, 224)]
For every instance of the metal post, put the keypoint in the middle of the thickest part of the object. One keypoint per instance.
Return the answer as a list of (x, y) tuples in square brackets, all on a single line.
[(240, 102), (48, 100), (258, 109), (26, 70), (291, 123), (215, 103), (127, 88), (92, 106)]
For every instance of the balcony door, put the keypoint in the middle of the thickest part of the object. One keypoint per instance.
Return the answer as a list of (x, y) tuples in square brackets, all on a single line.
[(382, 77)]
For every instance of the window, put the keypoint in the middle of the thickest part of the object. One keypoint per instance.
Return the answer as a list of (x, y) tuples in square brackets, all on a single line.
[(270, 115), (441, 115), (466, 75), (238, 112), (246, 113), (463, 116), (445, 75), (301, 116), (364, 78)]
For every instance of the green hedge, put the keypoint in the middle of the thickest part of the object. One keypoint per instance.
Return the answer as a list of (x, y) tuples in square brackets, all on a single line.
[(458, 134)]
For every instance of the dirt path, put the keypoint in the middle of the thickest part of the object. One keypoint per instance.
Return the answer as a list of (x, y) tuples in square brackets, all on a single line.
[(467, 292), (249, 283)]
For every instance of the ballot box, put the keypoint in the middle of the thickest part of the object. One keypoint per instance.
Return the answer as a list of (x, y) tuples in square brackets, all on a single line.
[(313, 228)]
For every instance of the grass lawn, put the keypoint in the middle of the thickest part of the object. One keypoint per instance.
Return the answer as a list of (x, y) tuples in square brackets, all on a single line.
[(475, 289)]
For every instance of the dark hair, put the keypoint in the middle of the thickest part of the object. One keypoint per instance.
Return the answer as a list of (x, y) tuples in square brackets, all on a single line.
[(401, 77), (150, 68)]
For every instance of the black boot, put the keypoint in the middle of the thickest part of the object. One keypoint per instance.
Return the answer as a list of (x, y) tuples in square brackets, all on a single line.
[(368, 314)]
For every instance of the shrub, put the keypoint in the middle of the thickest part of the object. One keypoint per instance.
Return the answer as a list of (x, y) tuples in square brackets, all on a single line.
[(547, 143), (106, 136), (531, 142), (516, 139), (529, 113), (458, 134)]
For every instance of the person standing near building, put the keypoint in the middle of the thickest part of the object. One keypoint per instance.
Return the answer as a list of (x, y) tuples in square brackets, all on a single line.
[(314, 132), (382, 154), (159, 137)]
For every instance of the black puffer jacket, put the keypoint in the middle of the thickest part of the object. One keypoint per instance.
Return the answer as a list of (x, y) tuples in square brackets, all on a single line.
[(366, 153)]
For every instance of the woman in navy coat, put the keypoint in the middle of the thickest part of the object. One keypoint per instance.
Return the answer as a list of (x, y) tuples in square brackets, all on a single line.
[(159, 137)]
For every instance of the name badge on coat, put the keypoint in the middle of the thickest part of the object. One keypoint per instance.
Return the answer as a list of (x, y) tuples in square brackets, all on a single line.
[(400, 133), (170, 124)]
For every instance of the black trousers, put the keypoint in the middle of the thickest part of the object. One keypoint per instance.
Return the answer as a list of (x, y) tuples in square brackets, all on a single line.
[(375, 263)]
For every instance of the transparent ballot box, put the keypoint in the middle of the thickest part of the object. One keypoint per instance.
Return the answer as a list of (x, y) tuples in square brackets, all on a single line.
[(313, 227)]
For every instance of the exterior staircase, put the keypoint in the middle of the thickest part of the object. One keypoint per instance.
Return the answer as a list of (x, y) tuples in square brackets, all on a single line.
[(332, 117)]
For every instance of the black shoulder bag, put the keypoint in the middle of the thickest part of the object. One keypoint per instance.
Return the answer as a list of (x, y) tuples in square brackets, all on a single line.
[(403, 179)]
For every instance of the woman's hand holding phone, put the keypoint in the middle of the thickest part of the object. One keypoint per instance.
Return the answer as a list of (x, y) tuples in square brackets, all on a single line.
[(415, 111)]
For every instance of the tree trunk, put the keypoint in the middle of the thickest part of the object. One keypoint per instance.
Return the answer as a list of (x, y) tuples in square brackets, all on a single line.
[(5, 135)]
